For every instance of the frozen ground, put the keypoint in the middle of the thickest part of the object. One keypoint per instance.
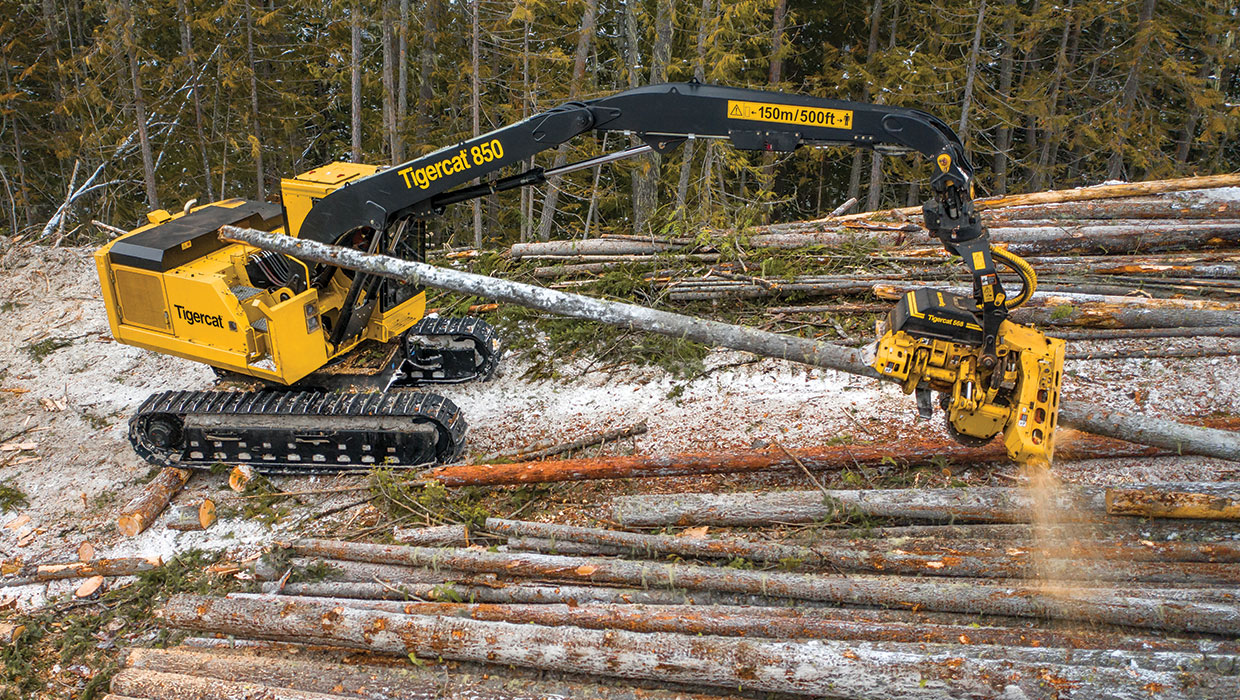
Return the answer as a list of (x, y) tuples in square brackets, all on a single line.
[(73, 404)]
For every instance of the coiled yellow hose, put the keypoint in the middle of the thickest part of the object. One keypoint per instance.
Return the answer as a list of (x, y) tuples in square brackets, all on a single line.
[(1028, 278)]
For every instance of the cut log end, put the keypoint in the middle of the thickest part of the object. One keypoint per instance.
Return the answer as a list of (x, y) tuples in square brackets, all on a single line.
[(193, 517)]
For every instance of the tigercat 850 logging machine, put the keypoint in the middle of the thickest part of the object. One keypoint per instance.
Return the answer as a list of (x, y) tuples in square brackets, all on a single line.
[(174, 287)]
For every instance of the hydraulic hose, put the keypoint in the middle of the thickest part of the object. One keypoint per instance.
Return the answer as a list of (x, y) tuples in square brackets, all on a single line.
[(1028, 278)]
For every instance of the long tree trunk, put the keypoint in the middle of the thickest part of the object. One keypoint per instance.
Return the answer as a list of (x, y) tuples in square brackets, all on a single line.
[(705, 21), (585, 36), (475, 103), (1132, 85), (1134, 428), (1050, 141), (139, 108), (817, 668), (387, 18), (256, 129), (1003, 137), (1194, 109), (647, 172), (971, 73), (355, 80), (402, 79), (187, 49), (876, 14), (426, 68), (18, 153)]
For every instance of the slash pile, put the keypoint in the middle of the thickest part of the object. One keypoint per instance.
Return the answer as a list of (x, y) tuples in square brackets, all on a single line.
[(931, 598)]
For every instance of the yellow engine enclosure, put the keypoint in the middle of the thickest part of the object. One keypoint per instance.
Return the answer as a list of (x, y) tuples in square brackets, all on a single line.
[(172, 287)]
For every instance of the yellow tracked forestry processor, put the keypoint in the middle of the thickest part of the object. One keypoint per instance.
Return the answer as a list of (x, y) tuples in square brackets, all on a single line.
[(173, 286)]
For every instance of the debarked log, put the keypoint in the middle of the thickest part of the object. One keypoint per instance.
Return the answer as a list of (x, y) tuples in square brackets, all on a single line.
[(1129, 427), (812, 667), (784, 623), (1171, 502), (1073, 604), (39, 573)]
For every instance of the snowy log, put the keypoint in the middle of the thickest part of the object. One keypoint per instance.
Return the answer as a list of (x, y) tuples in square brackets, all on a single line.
[(1074, 604), (1140, 429), (814, 667)]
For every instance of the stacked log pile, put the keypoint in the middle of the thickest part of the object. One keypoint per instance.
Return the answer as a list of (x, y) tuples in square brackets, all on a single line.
[(1124, 257), (935, 598)]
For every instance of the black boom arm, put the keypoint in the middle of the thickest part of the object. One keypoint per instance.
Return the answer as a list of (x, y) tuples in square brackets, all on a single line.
[(663, 117)]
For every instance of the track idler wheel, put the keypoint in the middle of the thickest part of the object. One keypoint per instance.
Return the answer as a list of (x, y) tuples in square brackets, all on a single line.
[(157, 438)]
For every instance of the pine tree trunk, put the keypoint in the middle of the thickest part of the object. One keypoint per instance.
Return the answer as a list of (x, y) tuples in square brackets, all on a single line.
[(18, 152), (475, 104), (139, 108), (256, 129), (426, 69), (387, 19), (355, 80), (589, 16), (876, 15), (1194, 112), (187, 48), (1003, 138), (776, 72), (1115, 164), (1050, 143), (402, 79), (971, 73), (646, 172), (699, 72)]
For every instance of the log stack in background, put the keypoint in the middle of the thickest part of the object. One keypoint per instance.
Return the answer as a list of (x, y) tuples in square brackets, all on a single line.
[(1114, 257)]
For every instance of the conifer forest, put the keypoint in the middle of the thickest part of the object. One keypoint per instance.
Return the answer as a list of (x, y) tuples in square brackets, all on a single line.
[(111, 109)]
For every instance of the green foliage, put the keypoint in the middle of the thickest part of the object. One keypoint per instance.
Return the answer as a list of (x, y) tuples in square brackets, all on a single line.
[(67, 633), (1062, 118), (11, 497), (1062, 311), (41, 349), (402, 495)]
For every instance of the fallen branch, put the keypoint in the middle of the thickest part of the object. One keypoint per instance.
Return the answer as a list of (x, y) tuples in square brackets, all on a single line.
[(41, 573), (540, 450)]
